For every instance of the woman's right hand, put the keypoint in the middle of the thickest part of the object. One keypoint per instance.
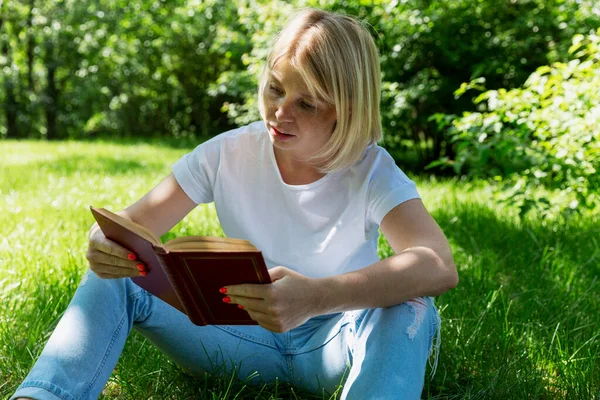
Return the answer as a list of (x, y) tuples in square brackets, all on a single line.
[(110, 260)]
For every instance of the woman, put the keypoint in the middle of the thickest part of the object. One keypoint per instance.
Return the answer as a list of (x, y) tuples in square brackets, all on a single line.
[(310, 188)]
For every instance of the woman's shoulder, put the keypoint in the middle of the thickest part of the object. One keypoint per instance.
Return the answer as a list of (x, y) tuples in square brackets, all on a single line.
[(377, 158), (379, 169), (249, 139)]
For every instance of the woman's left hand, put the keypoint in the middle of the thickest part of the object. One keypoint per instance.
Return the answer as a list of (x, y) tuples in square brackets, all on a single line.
[(289, 301)]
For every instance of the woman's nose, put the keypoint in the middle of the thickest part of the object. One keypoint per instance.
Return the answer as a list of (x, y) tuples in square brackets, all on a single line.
[(284, 110)]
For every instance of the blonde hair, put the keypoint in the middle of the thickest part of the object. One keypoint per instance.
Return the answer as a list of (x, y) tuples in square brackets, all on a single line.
[(337, 58)]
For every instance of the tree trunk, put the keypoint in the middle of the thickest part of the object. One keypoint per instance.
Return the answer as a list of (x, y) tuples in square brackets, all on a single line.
[(12, 106), (30, 45), (196, 98), (12, 130), (51, 92), (438, 140)]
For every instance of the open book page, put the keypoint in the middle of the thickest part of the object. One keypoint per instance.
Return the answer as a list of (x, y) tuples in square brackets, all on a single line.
[(130, 225), (208, 243), (188, 243)]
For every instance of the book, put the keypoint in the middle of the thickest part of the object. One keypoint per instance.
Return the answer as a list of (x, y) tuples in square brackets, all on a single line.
[(187, 272)]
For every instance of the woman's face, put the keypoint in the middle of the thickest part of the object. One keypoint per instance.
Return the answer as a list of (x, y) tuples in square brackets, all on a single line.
[(299, 125)]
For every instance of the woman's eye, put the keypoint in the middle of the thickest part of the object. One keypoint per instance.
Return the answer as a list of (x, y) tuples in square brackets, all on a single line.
[(308, 106), (275, 89)]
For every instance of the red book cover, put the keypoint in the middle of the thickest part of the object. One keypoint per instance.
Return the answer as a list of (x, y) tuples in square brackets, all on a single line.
[(205, 273), (189, 280)]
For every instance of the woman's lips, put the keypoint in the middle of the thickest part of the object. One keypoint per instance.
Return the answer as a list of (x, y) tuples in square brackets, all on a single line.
[(278, 133)]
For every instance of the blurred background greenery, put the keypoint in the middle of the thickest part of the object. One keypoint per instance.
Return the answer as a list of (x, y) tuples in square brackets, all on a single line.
[(180, 70)]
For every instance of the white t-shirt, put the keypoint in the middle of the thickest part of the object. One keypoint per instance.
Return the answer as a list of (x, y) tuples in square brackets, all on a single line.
[(325, 228)]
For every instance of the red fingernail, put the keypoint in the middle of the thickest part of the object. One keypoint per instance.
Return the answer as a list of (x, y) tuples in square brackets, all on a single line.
[(223, 290), (240, 306), (140, 266), (131, 256), (143, 273), (226, 299)]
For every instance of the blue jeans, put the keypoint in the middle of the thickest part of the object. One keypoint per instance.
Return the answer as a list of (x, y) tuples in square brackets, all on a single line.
[(382, 352)]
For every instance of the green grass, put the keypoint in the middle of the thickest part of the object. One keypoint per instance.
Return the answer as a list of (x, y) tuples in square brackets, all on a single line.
[(523, 322)]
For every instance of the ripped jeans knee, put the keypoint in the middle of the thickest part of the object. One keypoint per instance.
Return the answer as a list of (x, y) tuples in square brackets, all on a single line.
[(417, 320), (420, 306)]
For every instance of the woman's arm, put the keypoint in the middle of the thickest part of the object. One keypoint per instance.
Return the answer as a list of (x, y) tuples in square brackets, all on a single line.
[(421, 266), (159, 210), (162, 207)]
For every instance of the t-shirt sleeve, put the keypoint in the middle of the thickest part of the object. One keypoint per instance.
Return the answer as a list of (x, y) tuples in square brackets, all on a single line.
[(196, 172), (388, 187)]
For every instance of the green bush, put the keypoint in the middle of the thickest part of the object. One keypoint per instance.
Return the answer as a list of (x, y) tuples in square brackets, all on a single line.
[(545, 135), (430, 47)]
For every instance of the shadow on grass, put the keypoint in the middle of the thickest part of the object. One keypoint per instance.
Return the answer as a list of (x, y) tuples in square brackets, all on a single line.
[(76, 167), (522, 285), (164, 142), (522, 249), (105, 165)]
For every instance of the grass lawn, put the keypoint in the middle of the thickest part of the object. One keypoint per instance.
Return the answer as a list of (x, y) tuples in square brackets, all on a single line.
[(523, 322)]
